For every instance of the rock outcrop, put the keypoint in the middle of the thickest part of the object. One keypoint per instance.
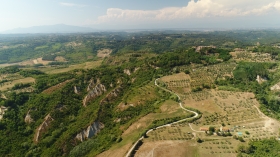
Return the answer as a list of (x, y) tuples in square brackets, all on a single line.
[(42, 128), (76, 90), (3, 109), (91, 130), (275, 87), (90, 85), (28, 118), (260, 79), (98, 90), (127, 71)]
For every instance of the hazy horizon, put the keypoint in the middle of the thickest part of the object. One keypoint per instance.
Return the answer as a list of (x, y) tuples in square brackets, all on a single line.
[(133, 15)]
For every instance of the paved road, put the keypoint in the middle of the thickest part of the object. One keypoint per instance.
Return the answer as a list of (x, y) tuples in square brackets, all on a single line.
[(166, 125)]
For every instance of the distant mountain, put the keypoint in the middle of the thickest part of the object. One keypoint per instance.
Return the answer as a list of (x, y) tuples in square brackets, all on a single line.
[(59, 28)]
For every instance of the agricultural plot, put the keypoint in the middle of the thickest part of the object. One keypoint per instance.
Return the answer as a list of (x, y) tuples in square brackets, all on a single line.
[(226, 111), (215, 148), (223, 106), (104, 53), (168, 148), (7, 81), (55, 70), (175, 132), (251, 57), (199, 76)]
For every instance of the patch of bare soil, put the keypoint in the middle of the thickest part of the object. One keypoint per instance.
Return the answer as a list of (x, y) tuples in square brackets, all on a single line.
[(60, 59), (121, 152), (176, 77), (167, 108), (272, 124), (56, 87), (141, 123), (166, 149), (40, 61), (104, 53), (73, 44)]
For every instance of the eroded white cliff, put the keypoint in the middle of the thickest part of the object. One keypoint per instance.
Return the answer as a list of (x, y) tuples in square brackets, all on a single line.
[(42, 128), (98, 90), (91, 130)]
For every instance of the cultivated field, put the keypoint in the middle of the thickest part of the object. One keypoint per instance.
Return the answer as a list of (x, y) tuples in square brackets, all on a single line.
[(104, 53), (13, 79), (55, 70), (243, 55), (227, 111), (32, 62), (199, 76)]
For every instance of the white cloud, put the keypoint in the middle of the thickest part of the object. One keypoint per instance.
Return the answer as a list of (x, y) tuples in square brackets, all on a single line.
[(71, 4), (195, 9)]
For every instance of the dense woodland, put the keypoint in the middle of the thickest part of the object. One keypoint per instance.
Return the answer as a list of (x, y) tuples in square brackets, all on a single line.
[(169, 50)]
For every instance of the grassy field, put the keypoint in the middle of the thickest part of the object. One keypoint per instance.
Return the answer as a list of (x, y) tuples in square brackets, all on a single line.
[(139, 96)]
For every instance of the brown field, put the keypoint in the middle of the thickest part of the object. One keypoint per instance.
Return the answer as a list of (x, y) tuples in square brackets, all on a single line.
[(60, 59), (86, 65), (56, 87), (34, 61), (73, 44), (176, 77), (167, 148), (104, 53), (116, 151)]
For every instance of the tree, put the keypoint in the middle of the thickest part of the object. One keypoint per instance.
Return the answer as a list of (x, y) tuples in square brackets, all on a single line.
[(199, 140), (187, 72), (241, 139), (212, 129)]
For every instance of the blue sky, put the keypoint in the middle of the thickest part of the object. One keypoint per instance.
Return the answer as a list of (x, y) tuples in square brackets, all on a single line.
[(144, 14)]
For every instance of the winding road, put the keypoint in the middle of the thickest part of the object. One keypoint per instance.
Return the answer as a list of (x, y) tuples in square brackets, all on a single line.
[(166, 125)]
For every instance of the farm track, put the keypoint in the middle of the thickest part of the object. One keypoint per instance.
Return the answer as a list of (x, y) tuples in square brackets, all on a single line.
[(165, 125)]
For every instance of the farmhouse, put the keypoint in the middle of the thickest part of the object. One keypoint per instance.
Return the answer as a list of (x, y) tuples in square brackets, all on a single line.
[(204, 129), (225, 129)]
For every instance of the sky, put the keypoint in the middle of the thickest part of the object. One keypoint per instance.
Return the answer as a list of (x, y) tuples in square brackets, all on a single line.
[(141, 14)]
